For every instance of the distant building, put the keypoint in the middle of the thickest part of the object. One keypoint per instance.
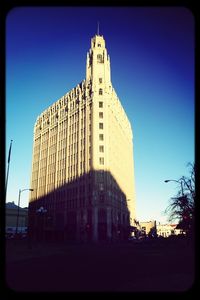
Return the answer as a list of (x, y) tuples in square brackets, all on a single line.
[(166, 230), (148, 227), (82, 168), (11, 218)]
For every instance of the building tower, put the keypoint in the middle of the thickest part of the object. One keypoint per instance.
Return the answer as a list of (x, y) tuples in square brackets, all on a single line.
[(82, 169)]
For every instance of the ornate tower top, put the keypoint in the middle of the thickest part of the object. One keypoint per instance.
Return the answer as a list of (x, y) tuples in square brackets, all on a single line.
[(98, 42), (98, 62)]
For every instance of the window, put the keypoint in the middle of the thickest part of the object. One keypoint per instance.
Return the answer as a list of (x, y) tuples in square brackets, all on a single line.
[(101, 176), (100, 125), (101, 160), (101, 148), (100, 92), (99, 45), (100, 104), (101, 186), (101, 115), (100, 80), (101, 137), (101, 197), (99, 58)]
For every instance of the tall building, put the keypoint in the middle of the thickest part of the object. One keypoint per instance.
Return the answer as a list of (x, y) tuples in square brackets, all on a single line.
[(82, 168)]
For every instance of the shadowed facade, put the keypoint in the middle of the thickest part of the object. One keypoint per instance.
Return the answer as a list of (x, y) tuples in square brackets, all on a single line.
[(82, 210), (82, 169)]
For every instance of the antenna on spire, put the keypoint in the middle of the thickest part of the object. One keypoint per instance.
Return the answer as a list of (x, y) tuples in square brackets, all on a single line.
[(98, 28)]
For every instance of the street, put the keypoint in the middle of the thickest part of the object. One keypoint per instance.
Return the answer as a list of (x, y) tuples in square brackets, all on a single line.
[(126, 267)]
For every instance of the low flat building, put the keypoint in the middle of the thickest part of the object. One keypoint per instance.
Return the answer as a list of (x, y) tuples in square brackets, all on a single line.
[(11, 218), (165, 230)]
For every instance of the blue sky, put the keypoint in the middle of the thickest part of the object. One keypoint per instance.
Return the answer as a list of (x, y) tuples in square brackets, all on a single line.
[(152, 71)]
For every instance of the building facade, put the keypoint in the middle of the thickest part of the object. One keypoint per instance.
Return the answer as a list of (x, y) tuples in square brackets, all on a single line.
[(82, 167), (148, 228), (165, 230), (12, 213)]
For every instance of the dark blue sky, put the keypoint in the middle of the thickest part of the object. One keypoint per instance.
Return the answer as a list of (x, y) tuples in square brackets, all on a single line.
[(152, 71)]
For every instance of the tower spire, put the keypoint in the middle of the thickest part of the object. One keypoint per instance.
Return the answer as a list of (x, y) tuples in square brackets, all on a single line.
[(98, 28)]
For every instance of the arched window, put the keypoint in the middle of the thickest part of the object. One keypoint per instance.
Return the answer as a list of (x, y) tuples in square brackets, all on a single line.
[(99, 58), (100, 92)]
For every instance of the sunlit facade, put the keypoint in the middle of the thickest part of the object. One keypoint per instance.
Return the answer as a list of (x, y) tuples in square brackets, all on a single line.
[(165, 230), (82, 167)]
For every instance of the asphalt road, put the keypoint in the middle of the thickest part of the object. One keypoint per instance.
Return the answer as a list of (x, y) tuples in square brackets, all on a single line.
[(131, 267)]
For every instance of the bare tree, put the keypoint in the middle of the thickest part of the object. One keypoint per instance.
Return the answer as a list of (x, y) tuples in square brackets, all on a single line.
[(182, 206)]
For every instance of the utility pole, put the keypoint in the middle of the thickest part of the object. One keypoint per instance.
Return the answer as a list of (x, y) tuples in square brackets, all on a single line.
[(9, 154)]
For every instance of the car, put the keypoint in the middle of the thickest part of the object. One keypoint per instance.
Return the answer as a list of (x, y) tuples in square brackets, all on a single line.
[(9, 235)]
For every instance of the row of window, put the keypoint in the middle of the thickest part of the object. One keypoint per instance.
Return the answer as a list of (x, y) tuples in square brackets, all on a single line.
[(53, 109), (74, 123), (43, 164), (72, 118), (62, 134), (61, 174), (61, 164), (101, 136), (36, 157), (61, 153)]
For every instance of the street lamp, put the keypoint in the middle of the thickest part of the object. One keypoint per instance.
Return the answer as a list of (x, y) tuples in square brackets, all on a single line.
[(20, 191), (178, 181), (41, 211)]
